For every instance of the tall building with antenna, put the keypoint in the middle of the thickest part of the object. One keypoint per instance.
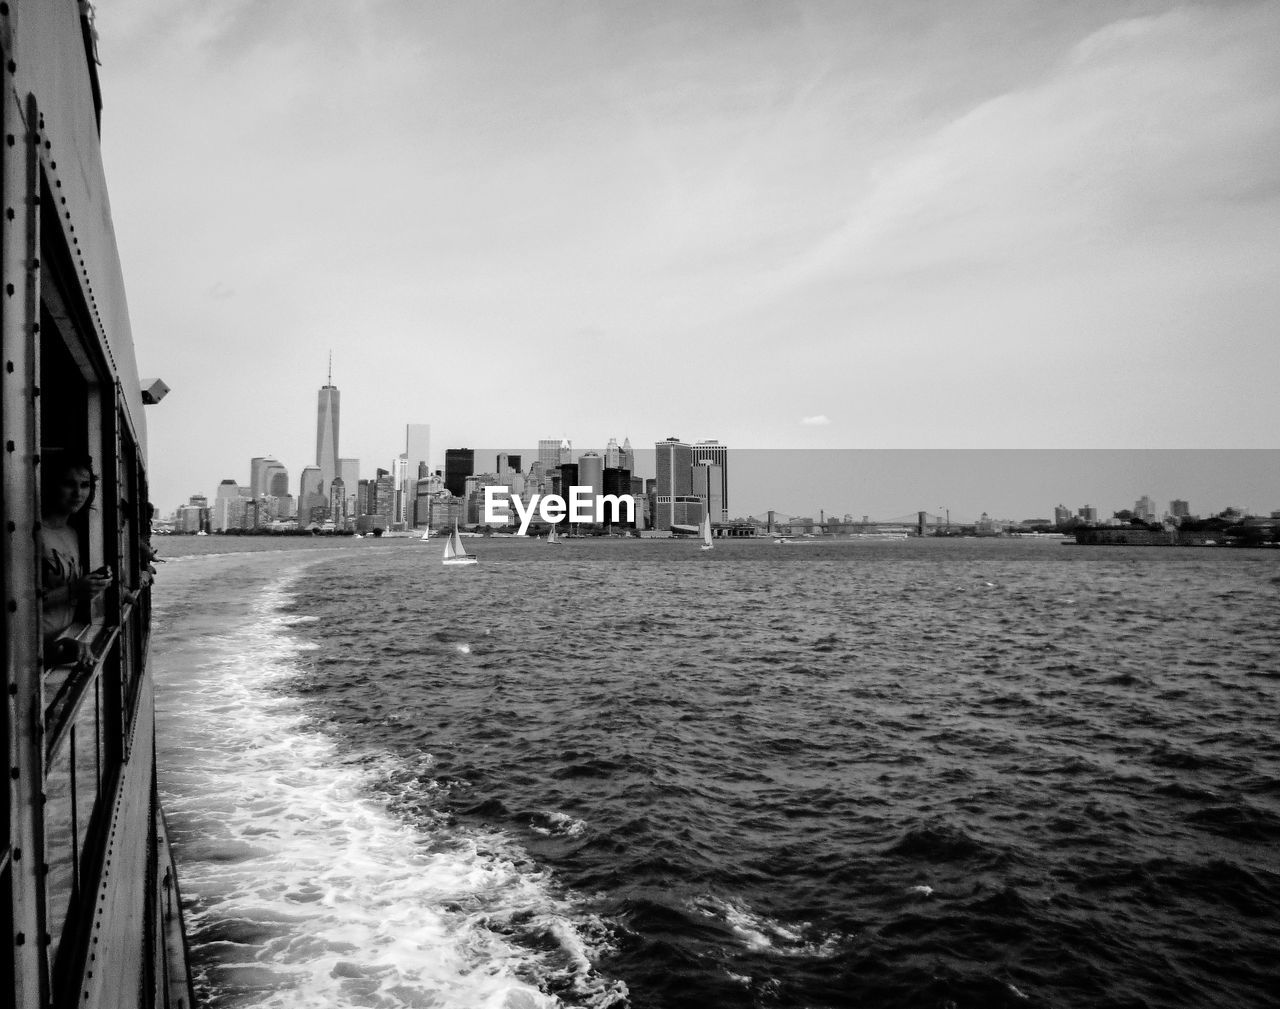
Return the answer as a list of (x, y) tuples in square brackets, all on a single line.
[(327, 431)]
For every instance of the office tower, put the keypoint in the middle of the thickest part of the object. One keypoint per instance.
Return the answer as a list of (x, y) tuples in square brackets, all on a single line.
[(277, 481), (327, 432), (257, 467), (459, 463), (548, 455), (708, 483), (591, 472), (417, 446), (349, 470), (310, 490), (382, 500), (612, 455), (261, 470), (674, 461), (567, 477), (191, 518), (566, 452), (1088, 514), (227, 509), (338, 502), (627, 457), (712, 451), (1144, 508), (400, 479), (617, 482), (508, 466), (425, 489), (1179, 509), (1061, 515)]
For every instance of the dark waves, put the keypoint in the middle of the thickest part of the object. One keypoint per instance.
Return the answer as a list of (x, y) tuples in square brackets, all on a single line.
[(917, 774)]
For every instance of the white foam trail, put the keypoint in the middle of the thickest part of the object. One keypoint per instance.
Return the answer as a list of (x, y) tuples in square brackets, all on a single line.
[(760, 933), (305, 892), (559, 824)]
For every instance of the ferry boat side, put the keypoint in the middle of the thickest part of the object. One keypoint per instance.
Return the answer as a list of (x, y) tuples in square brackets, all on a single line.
[(92, 911)]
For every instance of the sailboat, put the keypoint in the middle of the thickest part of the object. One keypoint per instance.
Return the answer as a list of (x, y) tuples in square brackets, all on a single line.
[(705, 531), (554, 535), (426, 533), (455, 552)]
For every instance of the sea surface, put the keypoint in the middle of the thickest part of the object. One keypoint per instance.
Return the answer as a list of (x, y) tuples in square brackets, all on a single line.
[(928, 773)]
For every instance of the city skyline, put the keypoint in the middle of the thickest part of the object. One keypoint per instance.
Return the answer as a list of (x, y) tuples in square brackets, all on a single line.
[(778, 480), (1013, 485)]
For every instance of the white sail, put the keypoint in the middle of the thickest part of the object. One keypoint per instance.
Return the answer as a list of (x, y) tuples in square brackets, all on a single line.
[(706, 533), (426, 533), (554, 535), (454, 551)]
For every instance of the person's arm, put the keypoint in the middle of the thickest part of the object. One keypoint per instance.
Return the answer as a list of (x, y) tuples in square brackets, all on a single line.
[(89, 586)]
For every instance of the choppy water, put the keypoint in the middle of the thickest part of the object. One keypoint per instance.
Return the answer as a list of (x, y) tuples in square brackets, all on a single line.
[(928, 773)]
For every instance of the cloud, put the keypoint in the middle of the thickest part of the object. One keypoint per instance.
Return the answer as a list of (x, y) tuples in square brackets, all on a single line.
[(817, 420), (1151, 133)]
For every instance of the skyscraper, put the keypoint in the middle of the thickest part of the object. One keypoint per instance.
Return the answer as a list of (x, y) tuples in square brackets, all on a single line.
[(508, 466), (618, 482), (311, 496), (349, 470), (591, 472), (400, 480), (548, 454), (327, 432), (675, 481), (673, 459), (459, 463), (277, 481), (383, 501), (267, 476), (708, 481), (338, 502), (713, 452), (257, 471), (417, 446)]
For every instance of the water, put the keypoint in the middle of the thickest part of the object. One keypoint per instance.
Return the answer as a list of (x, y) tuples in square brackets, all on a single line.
[(922, 773)]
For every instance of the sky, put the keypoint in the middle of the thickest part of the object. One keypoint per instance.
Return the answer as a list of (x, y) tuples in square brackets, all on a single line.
[(995, 224)]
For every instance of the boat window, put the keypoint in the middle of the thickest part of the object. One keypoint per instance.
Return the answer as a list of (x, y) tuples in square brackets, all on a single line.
[(59, 845), (86, 746), (73, 785), (64, 434), (81, 690)]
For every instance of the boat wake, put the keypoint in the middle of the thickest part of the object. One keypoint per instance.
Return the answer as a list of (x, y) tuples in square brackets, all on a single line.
[(304, 890)]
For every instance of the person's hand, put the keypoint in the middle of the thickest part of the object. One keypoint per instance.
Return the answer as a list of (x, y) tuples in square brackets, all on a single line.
[(83, 655), (71, 652), (95, 583)]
